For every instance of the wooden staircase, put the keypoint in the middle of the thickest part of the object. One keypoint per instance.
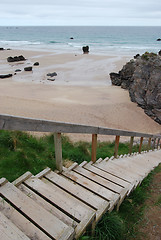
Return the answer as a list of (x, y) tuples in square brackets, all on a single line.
[(54, 205)]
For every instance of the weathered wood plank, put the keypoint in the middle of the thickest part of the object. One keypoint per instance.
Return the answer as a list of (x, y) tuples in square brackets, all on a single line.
[(72, 206), (8, 231), (108, 176), (79, 192), (98, 179), (3, 181), (21, 222), (58, 151), (8, 122), (91, 186), (22, 178), (49, 207), (44, 220), (43, 173), (126, 169), (116, 172)]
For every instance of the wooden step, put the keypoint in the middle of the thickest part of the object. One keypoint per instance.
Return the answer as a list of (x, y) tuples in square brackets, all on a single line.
[(22, 222), (83, 216), (132, 170), (81, 193), (97, 189), (8, 231), (42, 219), (137, 164), (117, 172), (102, 182), (108, 176)]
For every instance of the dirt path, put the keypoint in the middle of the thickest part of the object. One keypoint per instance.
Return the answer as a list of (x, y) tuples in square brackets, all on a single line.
[(150, 226)]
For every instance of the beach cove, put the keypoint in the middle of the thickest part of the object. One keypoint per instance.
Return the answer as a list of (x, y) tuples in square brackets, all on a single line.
[(81, 92)]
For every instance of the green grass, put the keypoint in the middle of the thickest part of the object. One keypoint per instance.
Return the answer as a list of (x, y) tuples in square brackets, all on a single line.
[(158, 202), (21, 152)]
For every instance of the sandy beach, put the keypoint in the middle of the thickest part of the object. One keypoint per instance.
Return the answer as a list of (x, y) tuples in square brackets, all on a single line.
[(81, 92)]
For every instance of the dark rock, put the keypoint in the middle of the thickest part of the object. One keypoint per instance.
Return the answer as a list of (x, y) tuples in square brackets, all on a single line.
[(85, 49), (159, 39), (142, 78), (6, 76), (52, 74), (28, 69), (71, 38), (115, 78), (1, 49), (136, 56), (16, 59), (36, 64), (51, 79), (18, 70), (159, 53)]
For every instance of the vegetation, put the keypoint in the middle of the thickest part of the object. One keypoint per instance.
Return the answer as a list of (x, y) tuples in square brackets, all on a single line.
[(148, 55), (21, 152)]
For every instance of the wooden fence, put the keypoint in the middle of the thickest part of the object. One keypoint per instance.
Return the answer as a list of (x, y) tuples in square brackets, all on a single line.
[(8, 122)]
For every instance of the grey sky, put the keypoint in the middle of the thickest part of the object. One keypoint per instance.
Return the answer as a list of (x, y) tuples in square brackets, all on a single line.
[(80, 12)]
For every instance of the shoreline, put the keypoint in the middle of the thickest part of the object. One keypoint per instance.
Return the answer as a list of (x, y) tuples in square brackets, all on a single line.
[(81, 93)]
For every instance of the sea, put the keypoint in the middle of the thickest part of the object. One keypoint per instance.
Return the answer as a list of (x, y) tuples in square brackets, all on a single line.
[(101, 39)]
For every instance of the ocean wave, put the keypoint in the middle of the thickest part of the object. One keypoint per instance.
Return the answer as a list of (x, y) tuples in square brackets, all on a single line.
[(54, 42), (16, 43)]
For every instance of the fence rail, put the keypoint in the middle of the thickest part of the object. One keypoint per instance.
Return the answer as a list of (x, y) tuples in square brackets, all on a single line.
[(8, 122)]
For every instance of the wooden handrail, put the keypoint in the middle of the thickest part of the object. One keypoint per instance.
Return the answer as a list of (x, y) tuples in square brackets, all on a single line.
[(9, 122)]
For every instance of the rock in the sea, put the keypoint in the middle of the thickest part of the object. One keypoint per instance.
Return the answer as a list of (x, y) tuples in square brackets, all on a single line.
[(72, 38), (85, 49), (52, 74), (6, 76), (142, 78), (1, 49), (36, 64), (16, 59), (51, 79), (159, 39), (28, 69), (159, 53), (18, 70)]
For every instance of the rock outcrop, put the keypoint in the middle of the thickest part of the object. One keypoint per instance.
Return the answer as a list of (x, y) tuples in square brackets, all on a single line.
[(27, 69), (142, 77), (6, 75), (85, 49), (16, 59)]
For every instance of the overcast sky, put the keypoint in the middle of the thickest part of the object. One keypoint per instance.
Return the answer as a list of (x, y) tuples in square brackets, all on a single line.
[(80, 12)]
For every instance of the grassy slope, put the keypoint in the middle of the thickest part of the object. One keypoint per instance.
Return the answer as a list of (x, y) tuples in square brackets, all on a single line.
[(20, 152)]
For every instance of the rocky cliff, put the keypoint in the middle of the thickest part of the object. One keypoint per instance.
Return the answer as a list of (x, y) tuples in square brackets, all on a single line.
[(142, 77)]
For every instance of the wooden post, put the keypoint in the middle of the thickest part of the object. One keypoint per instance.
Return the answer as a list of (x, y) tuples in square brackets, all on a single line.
[(117, 139), (58, 151), (131, 145), (158, 143), (141, 143), (153, 147), (94, 147), (149, 144)]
